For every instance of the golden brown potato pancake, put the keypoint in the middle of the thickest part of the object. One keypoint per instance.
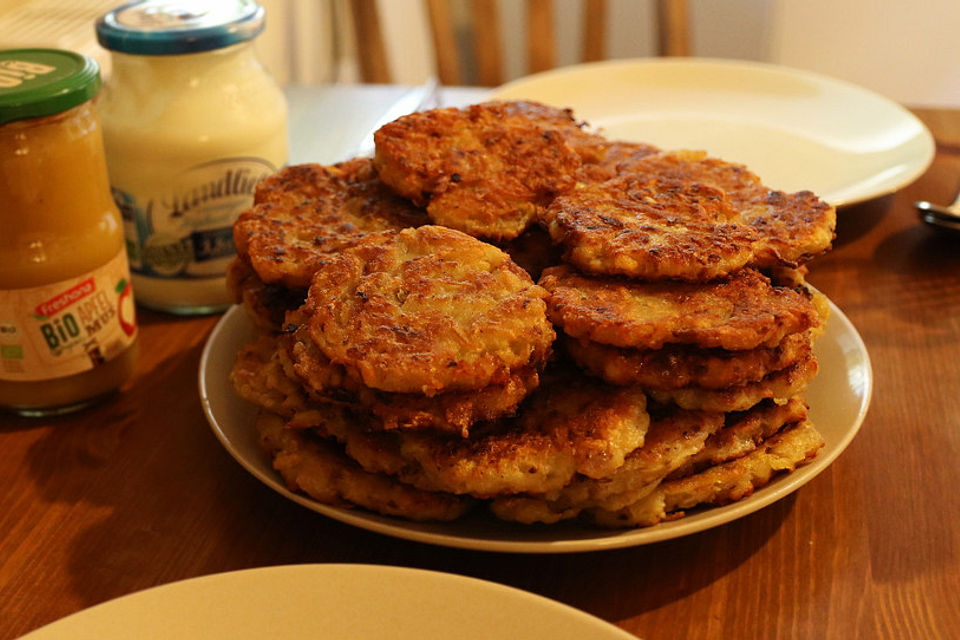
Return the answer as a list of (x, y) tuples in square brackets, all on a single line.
[(604, 160), (792, 228), (569, 426), (673, 437), (742, 312), (427, 310), (728, 482), (483, 169), (267, 375), (674, 367), (266, 304), (420, 349), (318, 468), (258, 376), (650, 227), (304, 212), (779, 385), (742, 432), (452, 411)]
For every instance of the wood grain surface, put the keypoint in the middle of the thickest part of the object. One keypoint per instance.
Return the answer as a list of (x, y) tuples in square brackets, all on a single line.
[(138, 492)]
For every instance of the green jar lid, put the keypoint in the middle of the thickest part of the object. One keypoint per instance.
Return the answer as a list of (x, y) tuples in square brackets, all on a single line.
[(42, 82)]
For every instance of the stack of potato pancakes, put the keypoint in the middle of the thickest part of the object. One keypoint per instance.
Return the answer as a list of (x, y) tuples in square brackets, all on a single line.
[(503, 310)]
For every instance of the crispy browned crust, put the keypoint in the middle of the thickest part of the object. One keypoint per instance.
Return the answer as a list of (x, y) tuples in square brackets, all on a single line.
[(428, 310), (795, 278), (604, 160), (304, 212), (792, 228), (320, 469), (453, 411), (569, 426), (269, 373), (258, 376), (783, 276), (482, 169), (743, 431), (739, 183), (683, 366), (601, 159), (266, 304), (779, 385), (673, 438), (742, 312), (650, 227), (795, 445), (422, 350)]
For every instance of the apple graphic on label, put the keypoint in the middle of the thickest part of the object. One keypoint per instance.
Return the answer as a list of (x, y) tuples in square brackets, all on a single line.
[(125, 307)]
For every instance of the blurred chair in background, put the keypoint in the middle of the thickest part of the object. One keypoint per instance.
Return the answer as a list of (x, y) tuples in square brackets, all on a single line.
[(908, 52), (468, 36)]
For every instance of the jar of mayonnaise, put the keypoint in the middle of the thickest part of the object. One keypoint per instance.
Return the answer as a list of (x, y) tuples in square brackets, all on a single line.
[(192, 121), (67, 330)]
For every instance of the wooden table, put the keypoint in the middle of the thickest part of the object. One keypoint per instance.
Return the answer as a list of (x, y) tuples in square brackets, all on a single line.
[(138, 492)]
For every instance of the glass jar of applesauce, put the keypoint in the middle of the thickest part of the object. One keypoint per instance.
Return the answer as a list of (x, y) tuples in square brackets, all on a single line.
[(67, 328), (191, 122)]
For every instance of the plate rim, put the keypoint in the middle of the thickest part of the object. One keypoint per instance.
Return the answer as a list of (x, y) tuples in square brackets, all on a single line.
[(333, 572), (752, 65), (617, 539)]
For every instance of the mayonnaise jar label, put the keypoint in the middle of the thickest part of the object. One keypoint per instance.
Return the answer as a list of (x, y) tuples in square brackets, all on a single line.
[(185, 230)]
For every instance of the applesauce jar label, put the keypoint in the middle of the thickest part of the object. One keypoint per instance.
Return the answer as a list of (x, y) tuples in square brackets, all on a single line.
[(184, 229), (68, 327)]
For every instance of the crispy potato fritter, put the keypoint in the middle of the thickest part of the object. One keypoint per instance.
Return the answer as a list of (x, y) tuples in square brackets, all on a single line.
[(484, 169), (408, 304), (684, 366), (791, 228), (720, 484), (452, 411), (672, 438), (320, 469), (649, 227), (428, 310), (568, 427), (743, 312), (304, 212), (779, 385)]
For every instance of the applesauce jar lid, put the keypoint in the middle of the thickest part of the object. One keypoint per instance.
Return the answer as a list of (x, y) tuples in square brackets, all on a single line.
[(41, 82), (170, 27)]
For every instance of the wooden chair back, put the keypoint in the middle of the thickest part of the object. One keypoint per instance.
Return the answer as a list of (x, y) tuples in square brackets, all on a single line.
[(672, 31)]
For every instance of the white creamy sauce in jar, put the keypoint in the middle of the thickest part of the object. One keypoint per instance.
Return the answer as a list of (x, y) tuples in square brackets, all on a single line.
[(188, 135)]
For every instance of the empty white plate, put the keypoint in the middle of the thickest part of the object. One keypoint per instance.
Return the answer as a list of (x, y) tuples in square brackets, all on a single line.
[(332, 602)]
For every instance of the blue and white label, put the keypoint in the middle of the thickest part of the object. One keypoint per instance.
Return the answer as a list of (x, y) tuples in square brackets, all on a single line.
[(185, 229)]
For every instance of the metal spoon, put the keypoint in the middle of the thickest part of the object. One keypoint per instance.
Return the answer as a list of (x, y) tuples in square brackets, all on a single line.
[(947, 217)]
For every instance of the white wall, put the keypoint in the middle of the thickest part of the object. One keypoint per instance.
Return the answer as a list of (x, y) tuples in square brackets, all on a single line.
[(907, 51)]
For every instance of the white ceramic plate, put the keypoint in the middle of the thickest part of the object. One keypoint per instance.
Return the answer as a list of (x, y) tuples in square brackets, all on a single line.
[(797, 130), (333, 602), (838, 399)]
